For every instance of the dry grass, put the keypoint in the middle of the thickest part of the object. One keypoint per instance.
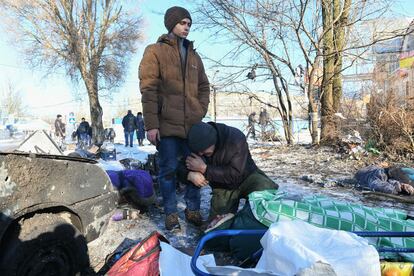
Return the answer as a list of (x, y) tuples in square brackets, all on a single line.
[(392, 123)]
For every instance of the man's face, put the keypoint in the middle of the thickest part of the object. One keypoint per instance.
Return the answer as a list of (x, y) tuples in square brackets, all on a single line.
[(182, 29), (208, 152)]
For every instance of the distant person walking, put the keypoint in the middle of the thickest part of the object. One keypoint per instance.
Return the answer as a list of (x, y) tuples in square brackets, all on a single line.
[(140, 128), (128, 122), (251, 125), (60, 127), (263, 119), (83, 132)]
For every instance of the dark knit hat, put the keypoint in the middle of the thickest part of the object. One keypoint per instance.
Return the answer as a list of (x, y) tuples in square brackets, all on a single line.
[(174, 15), (201, 136)]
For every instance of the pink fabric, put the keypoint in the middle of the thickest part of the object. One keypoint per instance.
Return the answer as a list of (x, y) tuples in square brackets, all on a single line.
[(142, 259)]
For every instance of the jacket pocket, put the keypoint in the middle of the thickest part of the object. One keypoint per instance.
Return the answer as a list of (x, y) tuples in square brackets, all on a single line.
[(196, 111)]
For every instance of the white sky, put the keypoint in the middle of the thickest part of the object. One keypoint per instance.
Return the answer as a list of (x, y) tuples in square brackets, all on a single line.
[(47, 96)]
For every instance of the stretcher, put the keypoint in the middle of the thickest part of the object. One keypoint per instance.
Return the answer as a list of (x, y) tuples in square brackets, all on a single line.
[(261, 232)]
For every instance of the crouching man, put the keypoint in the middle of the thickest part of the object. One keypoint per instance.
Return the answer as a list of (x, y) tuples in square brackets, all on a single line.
[(221, 158)]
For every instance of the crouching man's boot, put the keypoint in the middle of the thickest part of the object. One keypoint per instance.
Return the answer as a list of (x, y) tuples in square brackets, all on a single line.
[(193, 217), (171, 222)]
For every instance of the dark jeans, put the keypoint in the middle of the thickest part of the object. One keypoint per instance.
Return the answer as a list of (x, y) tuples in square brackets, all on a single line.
[(227, 201), (85, 138), (170, 148), (130, 135)]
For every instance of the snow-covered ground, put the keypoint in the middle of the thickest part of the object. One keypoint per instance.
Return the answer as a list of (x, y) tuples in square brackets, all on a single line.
[(298, 170), (10, 144), (287, 166), (122, 152)]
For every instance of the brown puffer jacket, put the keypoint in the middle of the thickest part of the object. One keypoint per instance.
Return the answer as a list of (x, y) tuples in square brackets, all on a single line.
[(172, 101)]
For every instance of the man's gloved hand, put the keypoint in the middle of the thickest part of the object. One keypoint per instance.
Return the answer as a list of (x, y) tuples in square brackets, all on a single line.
[(195, 163), (197, 179), (153, 135), (407, 188)]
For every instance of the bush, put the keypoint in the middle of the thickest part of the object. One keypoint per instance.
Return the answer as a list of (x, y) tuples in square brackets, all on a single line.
[(392, 121)]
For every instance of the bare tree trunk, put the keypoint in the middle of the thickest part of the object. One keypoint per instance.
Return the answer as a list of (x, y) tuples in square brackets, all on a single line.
[(313, 103), (328, 131), (339, 39), (95, 110), (285, 114)]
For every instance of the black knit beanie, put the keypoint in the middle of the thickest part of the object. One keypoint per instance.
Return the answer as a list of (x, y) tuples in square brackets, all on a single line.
[(201, 136), (174, 15)]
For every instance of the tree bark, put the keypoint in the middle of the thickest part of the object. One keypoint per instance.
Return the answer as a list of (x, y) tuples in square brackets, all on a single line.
[(286, 115), (313, 101), (339, 38), (95, 110), (328, 130)]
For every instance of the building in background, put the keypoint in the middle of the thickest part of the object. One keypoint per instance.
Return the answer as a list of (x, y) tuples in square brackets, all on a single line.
[(378, 67)]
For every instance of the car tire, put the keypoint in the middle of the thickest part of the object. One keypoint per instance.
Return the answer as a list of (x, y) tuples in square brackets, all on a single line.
[(45, 244)]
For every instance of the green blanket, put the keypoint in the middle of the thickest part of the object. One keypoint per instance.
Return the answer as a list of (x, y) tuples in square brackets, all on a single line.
[(272, 206)]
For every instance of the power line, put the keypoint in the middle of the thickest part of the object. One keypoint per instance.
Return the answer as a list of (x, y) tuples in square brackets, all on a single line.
[(14, 66), (53, 105)]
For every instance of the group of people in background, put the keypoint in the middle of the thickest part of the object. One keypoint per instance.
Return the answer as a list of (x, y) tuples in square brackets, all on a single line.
[(83, 132), (264, 120), (132, 124)]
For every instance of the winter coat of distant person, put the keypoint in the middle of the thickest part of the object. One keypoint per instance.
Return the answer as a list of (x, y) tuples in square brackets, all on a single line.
[(175, 95), (84, 132), (251, 125), (263, 117), (83, 128), (128, 122), (140, 126), (60, 127), (379, 179)]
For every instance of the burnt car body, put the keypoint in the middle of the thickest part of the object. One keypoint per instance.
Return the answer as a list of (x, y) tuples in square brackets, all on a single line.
[(37, 187)]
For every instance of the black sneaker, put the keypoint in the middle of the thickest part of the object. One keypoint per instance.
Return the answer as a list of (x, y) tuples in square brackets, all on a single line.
[(171, 222)]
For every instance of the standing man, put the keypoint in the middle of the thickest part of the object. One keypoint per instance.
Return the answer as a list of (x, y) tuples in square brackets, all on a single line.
[(175, 95), (83, 132), (263, 117), (140, 129), (60, 128), (128, 122)]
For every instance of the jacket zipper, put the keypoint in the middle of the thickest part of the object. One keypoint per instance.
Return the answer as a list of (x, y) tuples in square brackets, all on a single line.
[(183, 73)]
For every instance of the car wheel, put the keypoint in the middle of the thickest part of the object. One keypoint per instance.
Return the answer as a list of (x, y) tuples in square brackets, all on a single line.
[(45, 244)]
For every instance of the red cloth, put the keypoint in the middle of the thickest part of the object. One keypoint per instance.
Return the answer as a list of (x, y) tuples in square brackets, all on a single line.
[(142, 259)]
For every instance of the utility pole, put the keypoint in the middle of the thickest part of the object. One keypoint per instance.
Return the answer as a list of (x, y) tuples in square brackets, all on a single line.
[(214, 88), (214, 102)]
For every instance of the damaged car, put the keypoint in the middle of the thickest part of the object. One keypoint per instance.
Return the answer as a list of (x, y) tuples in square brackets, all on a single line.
[(51, 206)]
